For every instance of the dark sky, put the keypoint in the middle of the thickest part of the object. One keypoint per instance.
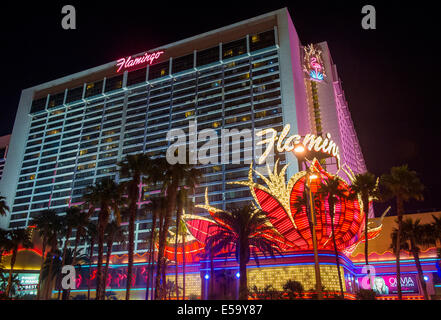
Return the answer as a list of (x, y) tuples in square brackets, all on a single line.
[(390, 75)]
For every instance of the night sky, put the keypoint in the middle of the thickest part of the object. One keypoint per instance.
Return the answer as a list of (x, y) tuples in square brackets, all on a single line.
[(390, 75)]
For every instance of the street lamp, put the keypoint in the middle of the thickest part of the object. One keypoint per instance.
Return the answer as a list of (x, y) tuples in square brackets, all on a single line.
[(311, 176), (300, 152)]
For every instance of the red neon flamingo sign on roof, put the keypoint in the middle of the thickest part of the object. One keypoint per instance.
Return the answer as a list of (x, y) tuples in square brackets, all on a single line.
[(129, 62)]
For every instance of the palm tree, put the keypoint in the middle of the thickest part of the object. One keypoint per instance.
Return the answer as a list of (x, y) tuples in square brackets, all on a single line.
[(403, 185), (243, 228), (133, 167), (4, 283), (17, 237), (183, 203), (330, 189), (107, 196), (293, 289), (91, 237), (365, 186), (47, 225), (4, 243), (3, 207), (156, 206), (435, 227), (172, 177), (436, 231), (183, 232), (69, 222), (114, 233), (413, 236), (80, 225), (53, 264)]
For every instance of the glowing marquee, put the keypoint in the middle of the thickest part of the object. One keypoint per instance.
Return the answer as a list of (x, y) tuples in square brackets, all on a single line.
[(129, 62), (313, 63), (310, 141), (277, 197)]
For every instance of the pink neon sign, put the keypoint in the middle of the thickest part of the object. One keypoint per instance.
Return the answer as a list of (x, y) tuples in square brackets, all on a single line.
[(131, 62)]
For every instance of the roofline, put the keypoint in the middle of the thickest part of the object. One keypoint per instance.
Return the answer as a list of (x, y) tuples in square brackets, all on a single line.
[(103, 67)]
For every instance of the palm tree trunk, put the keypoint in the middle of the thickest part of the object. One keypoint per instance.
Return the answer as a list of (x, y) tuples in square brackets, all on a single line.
[(99, 274), (48, 287), (178, 217), (41, 269), (151, 256), (183, 267), (66, 293), (420, 271), (92, 244), (77, 240), (13, 258), (68, 233), (337, 261), (211, 291), (131, 248), (365, 202), (243, 288), (398, 245), (106, 269), (158, 264), (133, 197), (171, 205)]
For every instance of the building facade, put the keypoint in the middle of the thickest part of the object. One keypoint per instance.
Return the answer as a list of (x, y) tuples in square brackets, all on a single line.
[(71, 132), (4, 145)]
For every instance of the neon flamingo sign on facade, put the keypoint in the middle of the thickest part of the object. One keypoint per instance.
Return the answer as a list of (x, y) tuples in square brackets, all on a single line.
[(313, 63), (129, 62)]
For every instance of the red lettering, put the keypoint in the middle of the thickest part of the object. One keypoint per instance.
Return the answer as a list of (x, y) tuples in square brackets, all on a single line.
[(130, 61)]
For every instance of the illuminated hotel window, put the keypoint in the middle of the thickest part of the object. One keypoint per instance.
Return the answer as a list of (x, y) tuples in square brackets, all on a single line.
[(93, 89), (56, 100), (74, 94), (234, 48), (262, 40), (158, 70), (113, 83)]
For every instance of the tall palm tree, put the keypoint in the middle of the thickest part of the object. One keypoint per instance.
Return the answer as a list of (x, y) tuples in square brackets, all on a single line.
[(3, 207), (114, 233), (53, 264), (435, 226), (17, 237), (413, 236), (403, 185), (436, 231), (4, 242), (156, 205), (133, 167), (69, 222), (107, 196), (330, 190), (243, 228), (365, 186), (184, 203), (47, 224), (91, 238), (183, 231), (81, 223), (172, 177)]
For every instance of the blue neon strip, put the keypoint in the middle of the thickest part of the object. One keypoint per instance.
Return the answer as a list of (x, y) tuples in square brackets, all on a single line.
[(393, 261), (393, 273), (343, 257)]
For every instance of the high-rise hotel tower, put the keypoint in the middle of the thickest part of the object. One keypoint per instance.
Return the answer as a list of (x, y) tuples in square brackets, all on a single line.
[(71, 132)]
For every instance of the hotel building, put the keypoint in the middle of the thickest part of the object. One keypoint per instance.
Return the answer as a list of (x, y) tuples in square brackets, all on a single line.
[(71, 132)]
